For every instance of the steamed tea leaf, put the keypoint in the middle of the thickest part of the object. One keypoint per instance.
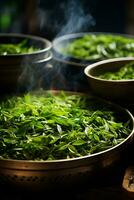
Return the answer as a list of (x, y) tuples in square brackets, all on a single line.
[(99, 47), (16, 48)]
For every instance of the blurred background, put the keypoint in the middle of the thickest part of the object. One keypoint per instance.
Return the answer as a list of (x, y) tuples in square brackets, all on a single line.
[(57, 17)]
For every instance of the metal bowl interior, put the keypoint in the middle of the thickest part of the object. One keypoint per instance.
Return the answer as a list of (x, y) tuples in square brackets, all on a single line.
[(43, 44), (59, 43), (39, 42), (65, 172), (114, 90)]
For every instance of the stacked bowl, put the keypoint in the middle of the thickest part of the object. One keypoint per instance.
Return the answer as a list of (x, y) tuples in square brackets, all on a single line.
[(21, 59)]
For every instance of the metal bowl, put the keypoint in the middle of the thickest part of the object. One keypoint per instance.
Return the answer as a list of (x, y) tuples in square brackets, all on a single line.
[(18, 71), (65, 172), (119, 91), (59, 43)]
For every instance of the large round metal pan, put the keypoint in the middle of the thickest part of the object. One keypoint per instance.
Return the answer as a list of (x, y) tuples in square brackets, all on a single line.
[(50, 174)]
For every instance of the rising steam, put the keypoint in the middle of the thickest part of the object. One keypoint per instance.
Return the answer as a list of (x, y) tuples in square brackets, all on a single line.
[(64, 18), (76, 20), (67, 17)]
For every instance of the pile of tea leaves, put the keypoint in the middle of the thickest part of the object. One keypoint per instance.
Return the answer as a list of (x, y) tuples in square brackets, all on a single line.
[(99, 47), (16, 48), (126, 72), (53, 126)]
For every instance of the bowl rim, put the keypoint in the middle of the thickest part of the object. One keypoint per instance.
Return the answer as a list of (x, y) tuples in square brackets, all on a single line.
[(28, 36), (99, 63), (81, 34)]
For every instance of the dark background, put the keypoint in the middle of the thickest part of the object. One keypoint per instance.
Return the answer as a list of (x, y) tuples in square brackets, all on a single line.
[(52, 18)]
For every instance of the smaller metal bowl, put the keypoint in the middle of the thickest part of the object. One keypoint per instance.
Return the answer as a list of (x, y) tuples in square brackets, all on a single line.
[(115, 90), (18, 71)]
